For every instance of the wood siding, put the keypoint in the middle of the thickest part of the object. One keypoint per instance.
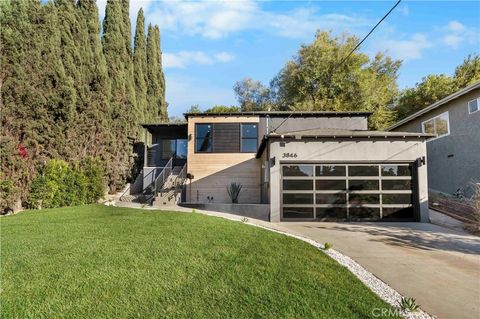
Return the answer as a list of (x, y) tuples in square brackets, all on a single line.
[(226, 137), (214, 171)]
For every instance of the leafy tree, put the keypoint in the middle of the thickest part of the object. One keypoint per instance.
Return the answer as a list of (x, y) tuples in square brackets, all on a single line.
[(433, 88), (321, 78), (194, 109), (253, 95), (223, 109), (468, 72)]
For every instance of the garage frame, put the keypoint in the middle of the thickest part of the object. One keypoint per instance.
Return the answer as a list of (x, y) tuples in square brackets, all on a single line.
[(366, 191)]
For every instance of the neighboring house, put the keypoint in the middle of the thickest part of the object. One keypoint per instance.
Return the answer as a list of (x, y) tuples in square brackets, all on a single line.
[(453, 156), (292, 166)]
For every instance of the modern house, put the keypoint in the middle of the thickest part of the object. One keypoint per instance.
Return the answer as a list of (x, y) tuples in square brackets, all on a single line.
[(292, 166), (454, 153)]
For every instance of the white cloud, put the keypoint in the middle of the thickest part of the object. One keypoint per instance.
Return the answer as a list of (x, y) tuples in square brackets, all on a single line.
[(455, 26), (183, 59), (224, 57), (407, 49), (218, 19), (455, 33), (405, 10)]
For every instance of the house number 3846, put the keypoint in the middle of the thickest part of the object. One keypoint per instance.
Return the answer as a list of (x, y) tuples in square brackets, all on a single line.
[(289, 155)]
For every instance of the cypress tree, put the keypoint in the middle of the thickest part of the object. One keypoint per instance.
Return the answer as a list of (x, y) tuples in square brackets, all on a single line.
[(120, 71), (38, 98), (163, 103), (140, 67), (156, 81), (94, 87)]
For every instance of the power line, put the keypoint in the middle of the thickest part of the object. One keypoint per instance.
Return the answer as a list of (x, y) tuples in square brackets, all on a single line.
[(349, 54), (373, 29)]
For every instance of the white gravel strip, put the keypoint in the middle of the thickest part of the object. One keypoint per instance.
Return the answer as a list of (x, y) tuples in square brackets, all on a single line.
[(384, 291)]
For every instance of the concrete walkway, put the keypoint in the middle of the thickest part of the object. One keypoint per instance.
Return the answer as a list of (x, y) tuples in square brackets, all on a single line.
[(439, 267)]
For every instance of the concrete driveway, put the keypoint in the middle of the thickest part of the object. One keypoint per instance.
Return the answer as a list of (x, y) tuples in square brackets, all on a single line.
[(437, 266)]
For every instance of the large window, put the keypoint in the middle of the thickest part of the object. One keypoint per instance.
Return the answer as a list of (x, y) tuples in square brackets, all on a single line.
[(173, 148), (249, 138), (226, 138), (347, 191), (203, 137), (474, 105), (438, 125)]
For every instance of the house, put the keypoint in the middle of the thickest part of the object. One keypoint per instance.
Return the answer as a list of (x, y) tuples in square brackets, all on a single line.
[(293, 166), (454, 154)]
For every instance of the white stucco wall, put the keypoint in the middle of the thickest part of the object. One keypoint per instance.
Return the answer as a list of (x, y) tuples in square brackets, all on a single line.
[(347, 151)]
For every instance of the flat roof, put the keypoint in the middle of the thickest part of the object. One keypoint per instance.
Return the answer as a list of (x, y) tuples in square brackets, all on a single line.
[(162, 124), (281, 114), (436, 105), (338, 133)]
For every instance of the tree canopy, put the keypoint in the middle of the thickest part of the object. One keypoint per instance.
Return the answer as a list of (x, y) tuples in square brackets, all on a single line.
[(435, 87), (68, 94)]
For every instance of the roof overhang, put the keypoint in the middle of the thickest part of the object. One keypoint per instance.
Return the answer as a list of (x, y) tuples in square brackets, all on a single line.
[(281, 114), (435, 105), (351, 135), (156, 127)]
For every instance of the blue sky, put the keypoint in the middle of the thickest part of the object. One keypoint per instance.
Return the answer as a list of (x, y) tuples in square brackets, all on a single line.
[(209, 45)]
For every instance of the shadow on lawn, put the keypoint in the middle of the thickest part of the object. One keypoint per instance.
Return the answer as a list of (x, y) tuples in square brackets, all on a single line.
[(414, 235)]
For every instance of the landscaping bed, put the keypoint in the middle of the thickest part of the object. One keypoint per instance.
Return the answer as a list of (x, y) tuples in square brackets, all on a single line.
[(116, 262)]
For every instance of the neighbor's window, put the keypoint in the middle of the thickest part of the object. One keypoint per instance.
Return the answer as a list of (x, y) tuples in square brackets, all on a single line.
[(474, 105), (249, 138), (203, 137), (438, 125)]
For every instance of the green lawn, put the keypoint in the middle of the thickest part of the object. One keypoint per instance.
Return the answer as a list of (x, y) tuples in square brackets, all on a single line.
[(98, 261)]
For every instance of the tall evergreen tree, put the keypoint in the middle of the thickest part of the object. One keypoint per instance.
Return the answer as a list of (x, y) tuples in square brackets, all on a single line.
[(38, 98), (156, 80), (140, 68), (94, 87), (120, 71), (163, 103)]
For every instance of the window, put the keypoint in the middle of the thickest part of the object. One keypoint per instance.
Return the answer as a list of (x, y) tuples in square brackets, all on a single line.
[(249, 138), (474, 105), (438, 125), (203, 138)]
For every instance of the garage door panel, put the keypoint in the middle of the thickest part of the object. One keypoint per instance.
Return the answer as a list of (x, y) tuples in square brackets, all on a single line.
[(347, 191)]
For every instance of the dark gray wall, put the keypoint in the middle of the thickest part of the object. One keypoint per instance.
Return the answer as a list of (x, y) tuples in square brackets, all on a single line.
[(453, 160), (307, 123)]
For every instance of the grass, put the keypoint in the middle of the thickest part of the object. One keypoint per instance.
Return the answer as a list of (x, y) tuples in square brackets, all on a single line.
[(98, 261)]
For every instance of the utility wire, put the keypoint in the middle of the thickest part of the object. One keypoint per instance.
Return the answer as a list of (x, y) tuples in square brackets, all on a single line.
[(373, 29), (353, 50)]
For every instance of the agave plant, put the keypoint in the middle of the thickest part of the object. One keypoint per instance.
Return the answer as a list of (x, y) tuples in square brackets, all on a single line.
[(233, 191), (409, 304)]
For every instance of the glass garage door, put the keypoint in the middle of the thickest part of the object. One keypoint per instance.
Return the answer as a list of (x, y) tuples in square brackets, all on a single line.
[(347, 191)]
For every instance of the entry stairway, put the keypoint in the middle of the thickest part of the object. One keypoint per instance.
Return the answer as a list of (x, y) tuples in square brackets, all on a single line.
[(171, 191), (165, 191)]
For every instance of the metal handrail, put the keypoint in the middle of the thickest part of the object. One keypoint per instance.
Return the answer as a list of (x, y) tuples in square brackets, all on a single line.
[(180, 179), (162, 177)]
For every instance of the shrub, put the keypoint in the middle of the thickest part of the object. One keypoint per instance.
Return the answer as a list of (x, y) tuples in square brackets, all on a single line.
[(7, 192), (233, 191), (58, 184), (327, 246), (408, 304), (474, 224)]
